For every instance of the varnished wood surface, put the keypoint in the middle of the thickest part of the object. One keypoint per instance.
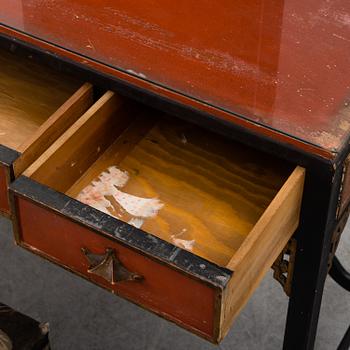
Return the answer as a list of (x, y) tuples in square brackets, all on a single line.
[(283, 65), (53, 127), (213, 191), (29, 94), (261, 248), (4, 201), (69, 157), (119, 149)]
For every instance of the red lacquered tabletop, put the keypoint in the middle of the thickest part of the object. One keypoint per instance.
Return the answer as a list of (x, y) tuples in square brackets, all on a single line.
[(280, 68)]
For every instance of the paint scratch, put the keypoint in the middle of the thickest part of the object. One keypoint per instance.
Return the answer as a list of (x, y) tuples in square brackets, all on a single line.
[(141, 75)]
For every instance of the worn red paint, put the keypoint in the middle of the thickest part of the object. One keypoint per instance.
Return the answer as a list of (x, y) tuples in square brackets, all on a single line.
[(4, 199), (280, 64), (164, 290)]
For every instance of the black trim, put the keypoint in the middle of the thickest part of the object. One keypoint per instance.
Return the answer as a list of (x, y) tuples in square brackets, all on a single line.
[(8, 155), (314, 236), (122, 232)]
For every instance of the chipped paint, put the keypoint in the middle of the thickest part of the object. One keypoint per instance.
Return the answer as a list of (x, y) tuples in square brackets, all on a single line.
[(183, 243), (136, 222), (221, 278), (141, 75), (90, 45), (96, 195)]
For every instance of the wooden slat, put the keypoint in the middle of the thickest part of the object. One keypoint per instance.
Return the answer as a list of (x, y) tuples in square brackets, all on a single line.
[(113, 155), (261, 248), (4, 199), (53, 127), (69, 157)]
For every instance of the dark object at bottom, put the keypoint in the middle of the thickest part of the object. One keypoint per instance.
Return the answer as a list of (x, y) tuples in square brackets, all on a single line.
[(20, 332), (345, 343), (342, 277), (339, 274)]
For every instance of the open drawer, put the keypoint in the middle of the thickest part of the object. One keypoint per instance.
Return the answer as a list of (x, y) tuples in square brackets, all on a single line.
[(37, 105), (161, 212)]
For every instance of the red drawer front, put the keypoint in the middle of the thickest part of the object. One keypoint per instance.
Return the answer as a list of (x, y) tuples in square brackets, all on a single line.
[(4, 199), (164, 290)]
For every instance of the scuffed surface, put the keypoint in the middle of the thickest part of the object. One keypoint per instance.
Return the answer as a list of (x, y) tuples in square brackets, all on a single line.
[(288, 71), (114, 229), (97, 193)]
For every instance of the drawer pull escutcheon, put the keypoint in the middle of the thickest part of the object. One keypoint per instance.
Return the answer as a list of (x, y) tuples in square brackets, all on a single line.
[(109, 267)]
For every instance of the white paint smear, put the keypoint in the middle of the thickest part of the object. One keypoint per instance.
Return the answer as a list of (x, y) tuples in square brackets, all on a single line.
[(137, 222), (107, 185), (141, 75), (182, 243)]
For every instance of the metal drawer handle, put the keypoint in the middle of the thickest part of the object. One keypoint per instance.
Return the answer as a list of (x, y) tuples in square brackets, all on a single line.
[(109, 267)]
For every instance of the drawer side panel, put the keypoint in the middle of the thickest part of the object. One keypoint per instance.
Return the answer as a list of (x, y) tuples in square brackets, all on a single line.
[(4, 199), (164, 290), (262, 247)]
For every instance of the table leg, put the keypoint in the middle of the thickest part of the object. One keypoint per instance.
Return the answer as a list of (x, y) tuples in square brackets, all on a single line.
[(339, 274), (311, 261), (345, 342)]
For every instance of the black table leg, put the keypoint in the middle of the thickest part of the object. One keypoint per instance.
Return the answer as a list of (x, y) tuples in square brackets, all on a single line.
[(339, 274), (311, 262), (342, 277), (345, 343)]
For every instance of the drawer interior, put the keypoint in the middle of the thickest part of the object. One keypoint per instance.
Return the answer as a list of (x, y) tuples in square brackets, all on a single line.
[(172, 179), (29, 94)]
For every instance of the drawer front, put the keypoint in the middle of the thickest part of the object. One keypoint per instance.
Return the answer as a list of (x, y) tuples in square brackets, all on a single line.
[(163, 290), (4, 199)]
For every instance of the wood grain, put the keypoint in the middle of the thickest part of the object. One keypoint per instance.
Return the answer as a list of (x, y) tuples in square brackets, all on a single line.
[(70, 156), (53, 127), (119, 149), (262, 246), (213, 191), (29, 94), (4, 199)]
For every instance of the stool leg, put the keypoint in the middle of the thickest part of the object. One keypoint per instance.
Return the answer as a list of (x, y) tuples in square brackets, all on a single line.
[(314, 237), (345, 342), (339, 274), (342, 277)]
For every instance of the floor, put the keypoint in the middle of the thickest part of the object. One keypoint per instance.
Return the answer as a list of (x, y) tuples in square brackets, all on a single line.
[(83, 316)]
